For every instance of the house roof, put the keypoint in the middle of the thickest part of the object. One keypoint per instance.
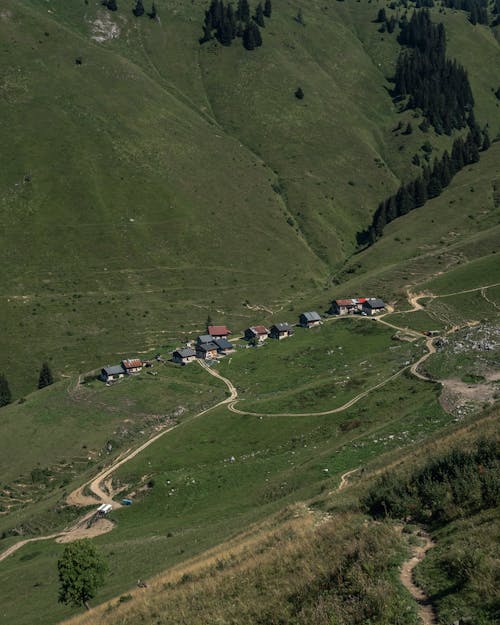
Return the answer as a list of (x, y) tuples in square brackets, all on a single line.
[(223, 344), (131, 363), (208, 347), (311, 316), (204, 338), (218, 330), (282, 327), (259, 329), (345, 302), (187, 352), (113, 369), (361, 300), (374, 302)]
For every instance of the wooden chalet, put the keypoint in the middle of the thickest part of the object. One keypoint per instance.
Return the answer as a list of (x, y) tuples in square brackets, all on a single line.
[(309, 319), (204, 338), (261, 333), (281, 331), (207, 351), (111, 373), (223, 346), (132, 366), (373, 306), (218, 332), (344, 306), (184, 356)]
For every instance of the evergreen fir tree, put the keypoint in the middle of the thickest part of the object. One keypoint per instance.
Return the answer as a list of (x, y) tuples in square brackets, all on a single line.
[(381, 17), (267, 8), (434, 187), (5, 394), (251, 36), (243, 11), (152, 14), (111, 5), (404, 202), (46, 377), (486, 140), (259, 15), (419, 192), (391, 209), (139, 9), (446, 174), (299, 94)]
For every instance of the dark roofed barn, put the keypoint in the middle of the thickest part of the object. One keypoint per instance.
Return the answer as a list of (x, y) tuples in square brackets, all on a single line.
[(281, 331), (184, 356), (309, 319), (112, 373), (373, 305), (207, 351)]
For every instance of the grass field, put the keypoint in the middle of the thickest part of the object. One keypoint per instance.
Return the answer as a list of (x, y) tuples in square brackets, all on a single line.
[(199, 497), (317, 369), (127, 250)]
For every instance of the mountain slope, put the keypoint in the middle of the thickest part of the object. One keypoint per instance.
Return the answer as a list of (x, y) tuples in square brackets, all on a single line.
[(160, 181)]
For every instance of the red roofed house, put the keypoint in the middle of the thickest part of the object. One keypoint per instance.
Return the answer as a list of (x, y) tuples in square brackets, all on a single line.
[(218, 332), (256, 332), (344, 306), (132, 365)]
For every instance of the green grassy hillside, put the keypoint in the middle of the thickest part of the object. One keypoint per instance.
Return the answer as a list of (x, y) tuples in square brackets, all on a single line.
[(161, 181)]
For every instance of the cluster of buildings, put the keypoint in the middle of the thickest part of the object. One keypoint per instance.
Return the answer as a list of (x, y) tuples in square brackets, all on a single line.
[(215, 344), (360, 306), (131, 366)]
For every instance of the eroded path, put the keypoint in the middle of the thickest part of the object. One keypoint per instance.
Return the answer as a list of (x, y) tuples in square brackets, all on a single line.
[(100, 486), (425, 609)]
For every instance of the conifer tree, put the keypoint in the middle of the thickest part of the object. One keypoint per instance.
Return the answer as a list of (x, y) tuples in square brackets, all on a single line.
[(267, 8), (299, 93), (243, 11), (251, 36), (259, 15), (5, 394), (45, 378), (152, 14), (486, 140), (111, 5), (139, 9), (381, 16)]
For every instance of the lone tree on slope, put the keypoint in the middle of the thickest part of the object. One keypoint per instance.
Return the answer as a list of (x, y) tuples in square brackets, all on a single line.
[(81, 573), (5, 394), (139, 9), (46, 378)]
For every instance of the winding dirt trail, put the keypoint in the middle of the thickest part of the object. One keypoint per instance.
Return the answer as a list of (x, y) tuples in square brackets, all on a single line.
[(406, 576), (102, 491)]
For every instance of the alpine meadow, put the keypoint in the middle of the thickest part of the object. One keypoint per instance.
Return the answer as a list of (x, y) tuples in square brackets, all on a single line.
[(250, 312)]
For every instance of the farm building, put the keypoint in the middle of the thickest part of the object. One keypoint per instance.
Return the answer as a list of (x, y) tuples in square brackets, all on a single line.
[(309, 319), (207, 351), (184, 356), (218, 332), (257, 332), (373, 305), (112, 373), (344, 306), (223, 346), (132, 366), (281, 331), (204, 338)]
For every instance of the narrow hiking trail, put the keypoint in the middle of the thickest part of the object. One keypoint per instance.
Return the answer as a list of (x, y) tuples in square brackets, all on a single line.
[(406, 576), (100, 486)]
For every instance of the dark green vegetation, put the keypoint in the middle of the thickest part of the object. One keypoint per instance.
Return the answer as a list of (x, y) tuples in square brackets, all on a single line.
[(82, 572), (448, 488), (5, 393), (457, 495), (126, 247)]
